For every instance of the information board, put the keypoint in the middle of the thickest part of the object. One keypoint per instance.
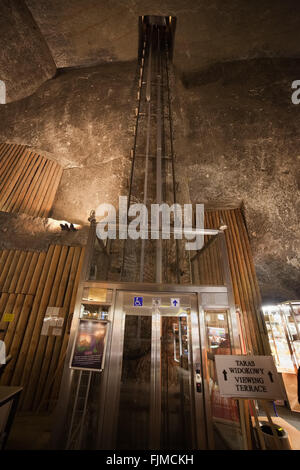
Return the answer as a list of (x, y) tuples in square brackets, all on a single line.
[(90, 344), (253, 377)]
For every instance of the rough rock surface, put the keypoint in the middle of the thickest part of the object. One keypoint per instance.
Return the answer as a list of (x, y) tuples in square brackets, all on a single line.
[(23, 232), (84, 119), (236, 138), (240, 143), (25, 59), (207, 32)]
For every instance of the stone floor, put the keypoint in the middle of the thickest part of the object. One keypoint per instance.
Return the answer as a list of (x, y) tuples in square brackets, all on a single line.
[(288, 420), (32, 432), (291, 417)]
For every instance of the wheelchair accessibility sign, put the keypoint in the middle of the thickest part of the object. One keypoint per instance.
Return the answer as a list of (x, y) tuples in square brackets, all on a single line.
[(138, 301)]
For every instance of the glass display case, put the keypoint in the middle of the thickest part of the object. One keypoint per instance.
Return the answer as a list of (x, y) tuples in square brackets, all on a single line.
[(283, 323), (283, 326), (291, 313)]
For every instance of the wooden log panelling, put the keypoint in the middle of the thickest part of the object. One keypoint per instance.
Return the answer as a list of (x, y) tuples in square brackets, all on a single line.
[(28, 181), (244, 281), (20, 271), (31, 282)]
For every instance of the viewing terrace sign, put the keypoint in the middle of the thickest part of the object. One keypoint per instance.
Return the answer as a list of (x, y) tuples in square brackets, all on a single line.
[(248, 377)]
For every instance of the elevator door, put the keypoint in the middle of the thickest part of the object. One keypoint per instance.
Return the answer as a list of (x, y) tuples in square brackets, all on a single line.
[(159, 402)]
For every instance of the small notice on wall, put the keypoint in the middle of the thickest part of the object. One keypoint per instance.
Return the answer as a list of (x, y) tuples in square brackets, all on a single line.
[(53, 322), (45, 327), (253, 377), (56, 331), (90, 344), (8, 317), (52, 311)]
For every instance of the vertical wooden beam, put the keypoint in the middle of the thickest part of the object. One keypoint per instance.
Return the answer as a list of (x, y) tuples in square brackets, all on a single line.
[(46, 343), (49, 197), (28, 181), (23, 273), (11, 181), (20, 375), (30, 375), (56, 384), (54, 342)]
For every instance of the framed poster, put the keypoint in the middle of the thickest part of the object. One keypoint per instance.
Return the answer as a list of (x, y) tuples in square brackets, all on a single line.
[(90, 345), (216, 336)]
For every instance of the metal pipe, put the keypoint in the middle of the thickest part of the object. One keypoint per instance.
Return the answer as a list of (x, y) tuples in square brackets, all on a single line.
[(148, 99), (133, 159), (204, 248), (172, 153), (84, 409), (171, 230), (74, 410), (158, 277)]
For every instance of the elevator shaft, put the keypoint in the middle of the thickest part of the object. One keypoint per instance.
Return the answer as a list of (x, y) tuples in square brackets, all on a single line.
[(152, 179)]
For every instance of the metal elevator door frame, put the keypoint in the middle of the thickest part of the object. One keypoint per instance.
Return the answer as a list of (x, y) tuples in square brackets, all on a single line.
[(111, 393)]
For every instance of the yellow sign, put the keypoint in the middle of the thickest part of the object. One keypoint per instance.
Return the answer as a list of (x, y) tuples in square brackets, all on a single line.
[(8, 317), (95, 293)]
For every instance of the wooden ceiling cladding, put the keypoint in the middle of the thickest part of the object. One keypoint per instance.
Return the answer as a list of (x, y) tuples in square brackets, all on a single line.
[(28, 181)]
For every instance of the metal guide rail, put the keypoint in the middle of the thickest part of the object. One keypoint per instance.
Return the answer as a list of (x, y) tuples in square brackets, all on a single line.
[(79, 410), (152, 178)]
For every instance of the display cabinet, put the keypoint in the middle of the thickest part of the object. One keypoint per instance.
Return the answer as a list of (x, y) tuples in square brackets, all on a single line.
[(283, 322), (283, 326)]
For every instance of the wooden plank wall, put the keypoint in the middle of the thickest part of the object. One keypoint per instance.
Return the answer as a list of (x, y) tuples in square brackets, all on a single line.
[(29, 283), (208, 272), (28, 181), (244, 281)]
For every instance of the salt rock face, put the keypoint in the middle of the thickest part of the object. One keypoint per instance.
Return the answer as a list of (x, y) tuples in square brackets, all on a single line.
[(241, 144), (83, 119), (92, 32), (25, 59), (236, 129), (235, 142)]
